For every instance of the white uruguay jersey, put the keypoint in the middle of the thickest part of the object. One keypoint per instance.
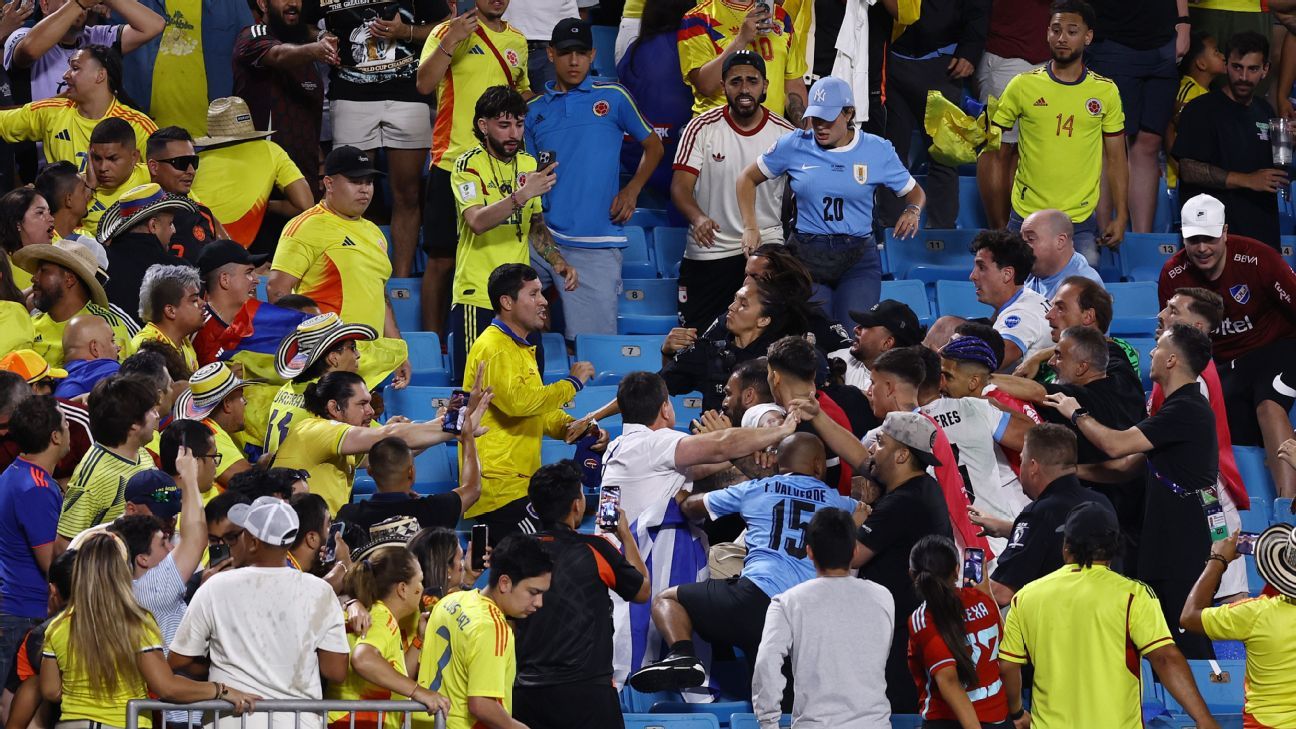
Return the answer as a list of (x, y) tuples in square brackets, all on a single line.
[(1021, 321), (715, 150), (857, 373), (974, 428)]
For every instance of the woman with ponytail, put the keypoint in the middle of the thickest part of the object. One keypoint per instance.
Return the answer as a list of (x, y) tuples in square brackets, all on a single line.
[(388, 581), (104, 649), (954, 643), (441, 557)]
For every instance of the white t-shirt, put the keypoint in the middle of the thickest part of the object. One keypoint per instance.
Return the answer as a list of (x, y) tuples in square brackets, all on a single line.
[(1021, 321), (715, 150), (261, 627), (642, 463), (974, 428), (857, 373), (536, 19), (47, 72)]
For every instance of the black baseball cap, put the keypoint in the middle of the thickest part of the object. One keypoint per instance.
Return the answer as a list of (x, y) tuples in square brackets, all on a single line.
[(1090, 522), (221, 252), (743, 58), (350, 162), (572, 33), (898, 318)]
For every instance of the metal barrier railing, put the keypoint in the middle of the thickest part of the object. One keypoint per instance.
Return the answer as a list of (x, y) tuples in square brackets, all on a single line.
[(296, 707)]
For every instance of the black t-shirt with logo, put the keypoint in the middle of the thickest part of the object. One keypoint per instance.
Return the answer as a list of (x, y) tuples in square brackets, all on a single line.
[(373, 68), (1035, 545), (569, 639)]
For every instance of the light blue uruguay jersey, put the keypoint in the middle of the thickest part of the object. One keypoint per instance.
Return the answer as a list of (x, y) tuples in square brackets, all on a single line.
[(834, 187), (777, 510), (580, 126)]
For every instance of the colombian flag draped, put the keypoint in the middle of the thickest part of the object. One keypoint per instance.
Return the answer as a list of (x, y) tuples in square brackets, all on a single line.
[(251, 339)]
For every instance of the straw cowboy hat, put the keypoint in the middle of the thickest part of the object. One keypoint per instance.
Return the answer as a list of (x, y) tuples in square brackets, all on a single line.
[(313, 339), (394, 532), (70, 255), (137, 205), (208, 387), (229, 120), (1275, 556)]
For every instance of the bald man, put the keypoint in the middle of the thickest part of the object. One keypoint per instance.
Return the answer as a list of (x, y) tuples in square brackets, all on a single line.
[(1051, 236), (777, 510), (90, 354)]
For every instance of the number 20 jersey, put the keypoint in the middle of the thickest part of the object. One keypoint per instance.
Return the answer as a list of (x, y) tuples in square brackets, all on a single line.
[(777, 510)]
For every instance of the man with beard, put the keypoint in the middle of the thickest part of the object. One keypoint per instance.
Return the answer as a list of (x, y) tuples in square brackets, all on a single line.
[(334, 256), (1068, 118), (497, 190), (275, 72), (461, 61), (173, 163), (582, 121), (886, 325), (1223, 149), (714, 149)]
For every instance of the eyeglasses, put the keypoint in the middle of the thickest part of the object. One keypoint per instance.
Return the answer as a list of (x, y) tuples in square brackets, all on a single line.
[(216, 458), (227, 538), (182, 163)]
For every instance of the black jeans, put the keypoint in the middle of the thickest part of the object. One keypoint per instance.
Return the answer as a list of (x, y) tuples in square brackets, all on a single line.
[(908, 82)]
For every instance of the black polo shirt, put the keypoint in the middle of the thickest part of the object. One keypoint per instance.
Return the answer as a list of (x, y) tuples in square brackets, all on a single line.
[(569, 639), (1035, 545), (899, 519), (1184, 452), (437, 510)]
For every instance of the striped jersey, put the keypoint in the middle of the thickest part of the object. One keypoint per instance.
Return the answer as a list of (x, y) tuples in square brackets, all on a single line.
[(714, 149), (97, 492), (65, 132), (467, 651)]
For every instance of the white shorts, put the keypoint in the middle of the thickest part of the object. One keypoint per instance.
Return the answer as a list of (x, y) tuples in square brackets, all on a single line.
[(627, 32), (389, 124), (992, 77)]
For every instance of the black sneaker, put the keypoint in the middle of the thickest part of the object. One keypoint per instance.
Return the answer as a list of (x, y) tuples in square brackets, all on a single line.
[(672, 673)]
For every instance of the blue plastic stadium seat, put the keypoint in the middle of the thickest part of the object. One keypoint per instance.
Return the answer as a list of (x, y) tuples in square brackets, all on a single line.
[(1166, 208), (958, 298), (556, 362), (648, 306), (1259, 484), (362, 484), (648, 218), (1134, 308), (1144, 346), (1282, 512), (1223, 693), (1109, 265), (748, 721), (668, 249), (636, 262), (971, 216), (425, 359), (616, 355), (403, 293), (1143, 255), (436, 470), (932, 255), (671, 721), (687, 407), (552, 451), (911, 293), (1287, 247), (592, 398), (721, 710), (416, 403), (906, 721), (605, 44)]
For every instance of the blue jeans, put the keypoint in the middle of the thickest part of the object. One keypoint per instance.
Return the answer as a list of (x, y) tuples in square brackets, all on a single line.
[(13, 628), (845, 269), (1085, 237)]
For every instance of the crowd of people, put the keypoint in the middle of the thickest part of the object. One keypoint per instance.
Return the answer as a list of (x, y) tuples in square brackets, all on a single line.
[(987, 522)]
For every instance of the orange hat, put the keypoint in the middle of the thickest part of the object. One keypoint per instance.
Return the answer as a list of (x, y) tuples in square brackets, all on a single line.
[(30, 366)]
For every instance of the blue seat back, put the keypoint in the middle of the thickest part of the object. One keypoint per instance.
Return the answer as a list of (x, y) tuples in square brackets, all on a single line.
[(436, 470), (605, 58), (1282, 512), (912, 294), (932, 255), (416, 403), (971, 215), (1223, 692), (668, 250), (648, 218), (687, 407), (1144, 346), (958, 298), (721, 710), (616, 355), (1143, 255), (1134, 308), (426, 360), (649, 296), (556, 362), (636, 261), (671, 721), (403, 293)]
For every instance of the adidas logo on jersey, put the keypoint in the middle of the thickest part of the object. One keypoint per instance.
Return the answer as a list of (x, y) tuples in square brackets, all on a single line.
[(1041, 102), (476, 51), (348, 243), (64, 135), (717, 157)]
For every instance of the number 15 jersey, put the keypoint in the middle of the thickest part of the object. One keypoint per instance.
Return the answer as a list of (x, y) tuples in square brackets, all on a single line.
[(1061, 126), (777, 510)]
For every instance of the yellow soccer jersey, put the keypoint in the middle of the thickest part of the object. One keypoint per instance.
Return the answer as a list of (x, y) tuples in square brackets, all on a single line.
[(48, 342), (633, 9), (229, 451), (385, 636), (1189, 89), (342, 264), (287, 407), (467, 651), (1232, 6), (16, 330), (105, 197), (58, 124), (79, 701), (236, 181), (150, 332), (708, 29), (1060, 139), (485, 59), (480, 179), (179, 86), (1265, 625), (315, 444), (97, 492), (1087, 676)]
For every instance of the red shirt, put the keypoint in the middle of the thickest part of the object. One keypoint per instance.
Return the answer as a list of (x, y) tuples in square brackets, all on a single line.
[(950, 479), (834, 411), (1257, 286), (1016, 405), (929, 654)]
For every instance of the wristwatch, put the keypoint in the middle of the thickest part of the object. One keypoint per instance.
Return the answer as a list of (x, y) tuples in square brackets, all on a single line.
[(1075, 417)]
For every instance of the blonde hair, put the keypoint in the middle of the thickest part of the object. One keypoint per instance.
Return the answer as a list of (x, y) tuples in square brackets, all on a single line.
[(107, 625)]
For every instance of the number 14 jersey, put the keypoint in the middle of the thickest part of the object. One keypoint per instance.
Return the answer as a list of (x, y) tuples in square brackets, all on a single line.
[(777, 510)]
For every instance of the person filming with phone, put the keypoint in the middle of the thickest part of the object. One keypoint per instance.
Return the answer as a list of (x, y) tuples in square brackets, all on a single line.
[(564, 650)]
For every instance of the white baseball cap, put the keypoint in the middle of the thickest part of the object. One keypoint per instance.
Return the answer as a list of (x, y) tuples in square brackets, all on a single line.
[(268, 519), (1203, 215)]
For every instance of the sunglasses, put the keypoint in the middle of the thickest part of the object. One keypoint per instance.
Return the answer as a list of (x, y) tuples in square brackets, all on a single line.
[(182, 163)]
